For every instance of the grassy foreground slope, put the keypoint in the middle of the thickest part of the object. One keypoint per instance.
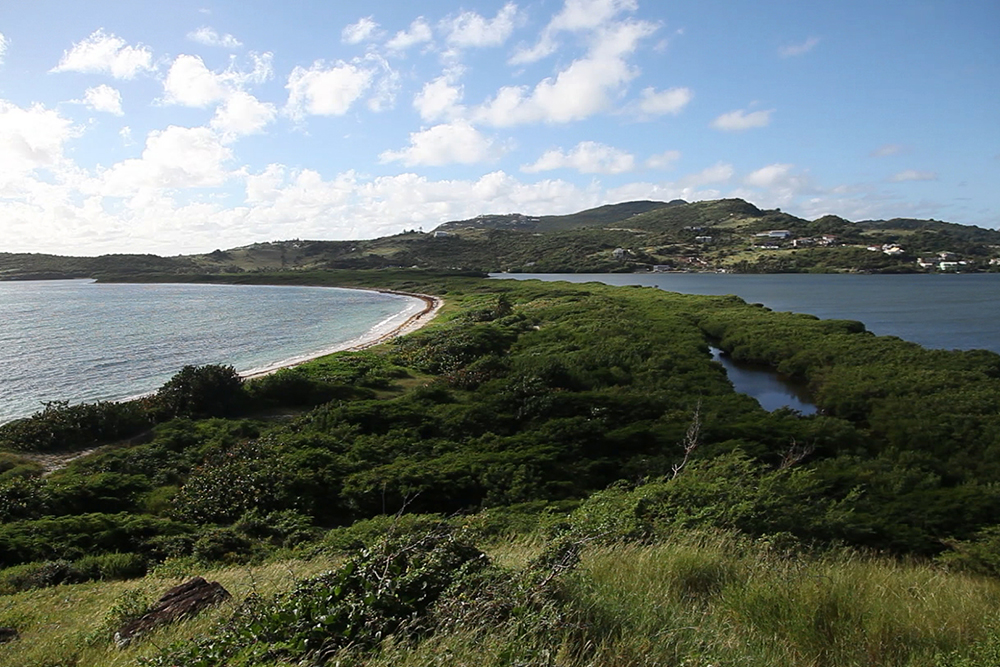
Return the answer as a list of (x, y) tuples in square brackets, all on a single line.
[(574, 482)]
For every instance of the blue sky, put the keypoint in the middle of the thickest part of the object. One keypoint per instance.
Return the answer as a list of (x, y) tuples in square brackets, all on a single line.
[(135, 126)]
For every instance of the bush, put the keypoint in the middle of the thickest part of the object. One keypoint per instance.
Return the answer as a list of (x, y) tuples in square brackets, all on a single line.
[(199, 392)]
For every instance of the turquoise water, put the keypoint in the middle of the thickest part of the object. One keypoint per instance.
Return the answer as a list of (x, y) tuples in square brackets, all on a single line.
[(77, 340), (937, 311)]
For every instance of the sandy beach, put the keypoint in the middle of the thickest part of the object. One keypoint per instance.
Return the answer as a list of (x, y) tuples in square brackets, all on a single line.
[(432, 305)]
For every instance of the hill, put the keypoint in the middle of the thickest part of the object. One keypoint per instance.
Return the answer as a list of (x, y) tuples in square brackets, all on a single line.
[(729, 235)]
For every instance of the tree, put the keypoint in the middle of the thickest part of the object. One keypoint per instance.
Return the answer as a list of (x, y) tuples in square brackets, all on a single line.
[(200, 392)]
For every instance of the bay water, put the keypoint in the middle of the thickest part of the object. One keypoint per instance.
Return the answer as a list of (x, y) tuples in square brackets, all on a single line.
[(77, 340)]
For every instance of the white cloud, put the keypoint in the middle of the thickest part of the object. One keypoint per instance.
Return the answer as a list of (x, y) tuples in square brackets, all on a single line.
[(386, 86), (103, 98), (470, 29), (739, 120), (126, 134), (665, 160), (190, 83), (325, 91), (457, 142), (103, 53), (588, 157), (718, 173), (914, 175), (439, 99), (589, 14), (30, 139), (242, 114), (770, 176), (575, 16), (799, 49), (886, 150), (670, 101), (586, 87), (209, 37), (358, 32), (174, 158), (3, 47), (419, 32)]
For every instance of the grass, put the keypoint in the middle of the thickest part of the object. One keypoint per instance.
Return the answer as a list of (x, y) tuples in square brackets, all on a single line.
[(697, 600)]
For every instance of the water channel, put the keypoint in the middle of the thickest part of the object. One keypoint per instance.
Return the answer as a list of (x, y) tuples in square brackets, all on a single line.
[(772, 390)]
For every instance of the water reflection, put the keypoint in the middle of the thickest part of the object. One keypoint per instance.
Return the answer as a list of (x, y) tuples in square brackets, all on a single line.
[(770, 389)]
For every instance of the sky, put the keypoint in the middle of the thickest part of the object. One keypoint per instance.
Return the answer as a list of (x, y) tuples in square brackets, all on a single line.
[(187, 126)]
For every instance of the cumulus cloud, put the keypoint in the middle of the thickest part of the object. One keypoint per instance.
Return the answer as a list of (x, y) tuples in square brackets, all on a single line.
[(913, 175), (242, 114), (190, 83), (209, 37), (326, 91), (419, 32), (665, 160), (103, 98), (588, 157), (103, 53), (769, 176), (586, 87), (457, 142), (739, 120), (365, 28), (439, 99), (670, 101), (717, 173), (470, 29), (30, 138), (798, 49), (575, 16), (175, 158)]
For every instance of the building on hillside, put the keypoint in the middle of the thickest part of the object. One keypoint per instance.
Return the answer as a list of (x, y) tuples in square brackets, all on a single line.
[(775, 234), (703, 239), (441, 235)]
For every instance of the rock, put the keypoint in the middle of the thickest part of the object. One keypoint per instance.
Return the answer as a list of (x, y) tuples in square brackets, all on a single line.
[(186, 599), (8, 635)]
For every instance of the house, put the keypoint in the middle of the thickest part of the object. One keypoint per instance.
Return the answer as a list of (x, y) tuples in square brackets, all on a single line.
[(892, 249), (926, 263), (703, 239), (441, 235), (802, 243), (948, 266), (775, 234)]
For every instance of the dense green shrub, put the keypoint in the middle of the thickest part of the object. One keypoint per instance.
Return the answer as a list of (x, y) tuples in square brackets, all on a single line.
[(199, 392), (64, 427)]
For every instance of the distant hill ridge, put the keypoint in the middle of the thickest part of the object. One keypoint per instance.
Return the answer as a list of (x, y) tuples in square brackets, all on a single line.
[(719, 235)]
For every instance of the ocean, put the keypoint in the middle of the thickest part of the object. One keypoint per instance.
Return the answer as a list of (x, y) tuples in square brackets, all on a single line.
[(81, 341)]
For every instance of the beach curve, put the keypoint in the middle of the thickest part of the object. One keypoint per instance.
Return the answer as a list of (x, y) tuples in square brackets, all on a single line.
[(432, 306)]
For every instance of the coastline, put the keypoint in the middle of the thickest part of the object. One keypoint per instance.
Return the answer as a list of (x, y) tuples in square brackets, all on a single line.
[(432, 306)]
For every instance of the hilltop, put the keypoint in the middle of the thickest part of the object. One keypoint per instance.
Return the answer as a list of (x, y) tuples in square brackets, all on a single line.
[(729, 235)]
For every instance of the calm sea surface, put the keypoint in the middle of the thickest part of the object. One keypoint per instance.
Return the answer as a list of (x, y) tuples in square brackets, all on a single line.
[(937, 311), (77, 340)]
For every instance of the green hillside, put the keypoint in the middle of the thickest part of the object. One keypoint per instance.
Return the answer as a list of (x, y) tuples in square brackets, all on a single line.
[(725, 235)]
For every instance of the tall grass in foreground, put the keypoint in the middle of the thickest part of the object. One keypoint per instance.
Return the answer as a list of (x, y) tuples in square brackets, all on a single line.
[(720, 601), (697, 600)]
